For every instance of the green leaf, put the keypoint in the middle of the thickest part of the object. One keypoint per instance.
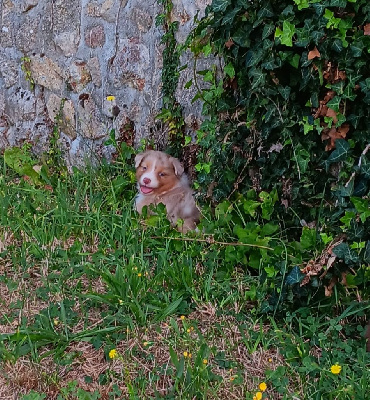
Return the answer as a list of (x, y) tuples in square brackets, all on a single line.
[(365, 167), (286, 34), (362, 206), (344, 252), (340, 153), (334, 103), (220, 5), (294, 276), (250, 206), (367, 252), (301, 4), (229, 70), (308, 238)]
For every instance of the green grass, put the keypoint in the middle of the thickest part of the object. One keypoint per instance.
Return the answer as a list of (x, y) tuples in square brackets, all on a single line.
[(82, 274)]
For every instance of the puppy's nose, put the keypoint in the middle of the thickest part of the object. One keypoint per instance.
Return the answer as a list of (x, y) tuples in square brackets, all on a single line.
[(146, 181)]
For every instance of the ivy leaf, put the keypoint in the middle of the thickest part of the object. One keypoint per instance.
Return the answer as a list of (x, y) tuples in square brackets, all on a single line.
[(365, 168), (367, 252), (294, 276), (344, 252), (229, 70), (229, 18), (220, 5), (334, 103), (286, 35), (362, 206), (340, 153), (258, 78), (301, 4), (284, 91)]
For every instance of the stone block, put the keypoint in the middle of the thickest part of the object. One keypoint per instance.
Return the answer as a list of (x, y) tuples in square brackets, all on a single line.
[(131, 64), (68, 42), (90, 119), (79, 76), (95, 71), (95, 36), (8, 70), (47, 73), (62, 112)]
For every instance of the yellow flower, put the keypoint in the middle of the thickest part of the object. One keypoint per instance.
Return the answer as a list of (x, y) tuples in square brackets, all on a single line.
[(189, 355), (145, 344), (205, 362), (258, 396), (182, 317), (120, 301), (335, 369), (139, 274), (262, 386), (56, 321), (111, 98), (270, 359), (185, 354), (113, 354), (188, 330)]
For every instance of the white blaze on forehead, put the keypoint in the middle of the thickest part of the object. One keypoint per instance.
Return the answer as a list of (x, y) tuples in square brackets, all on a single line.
[(150, 174)]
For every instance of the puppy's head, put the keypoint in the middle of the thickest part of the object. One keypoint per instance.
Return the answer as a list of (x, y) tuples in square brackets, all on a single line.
[(157, 172)]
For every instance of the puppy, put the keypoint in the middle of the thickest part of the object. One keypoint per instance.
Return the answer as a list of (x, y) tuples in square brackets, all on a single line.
[(161, 179)]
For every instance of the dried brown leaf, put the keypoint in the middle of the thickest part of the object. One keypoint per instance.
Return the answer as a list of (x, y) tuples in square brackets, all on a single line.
[(367, 30), (314, 54)]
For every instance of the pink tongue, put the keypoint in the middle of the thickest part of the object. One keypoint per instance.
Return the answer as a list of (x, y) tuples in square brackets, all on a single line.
[(146, 190)]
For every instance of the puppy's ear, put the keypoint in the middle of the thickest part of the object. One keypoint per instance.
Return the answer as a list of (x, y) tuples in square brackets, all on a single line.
[(139, 157), (179, 169)]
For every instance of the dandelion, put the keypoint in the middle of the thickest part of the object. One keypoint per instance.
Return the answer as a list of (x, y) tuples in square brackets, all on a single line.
[(185, 354), (139, 274), (56, 321), (120, 301), (111, 98), (205, 362), (182, 317), (189, 355), (262, 386), (335, 369), (113, 354), (145, 344), (258, 395), (270, 360), (188, 330)]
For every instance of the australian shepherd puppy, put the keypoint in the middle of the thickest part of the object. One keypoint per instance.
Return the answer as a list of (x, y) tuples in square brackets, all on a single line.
[(161, 179)]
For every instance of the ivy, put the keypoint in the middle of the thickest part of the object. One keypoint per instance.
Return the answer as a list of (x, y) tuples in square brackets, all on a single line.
[(288, 117)]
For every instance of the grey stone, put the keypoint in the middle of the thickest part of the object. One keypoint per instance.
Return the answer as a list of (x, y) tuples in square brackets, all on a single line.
[(79, 76), (94, 67), (90, 119), (27, 5), (130, 64), (68, 42), (8, 71), (47, 73), (62, 112), (95, 36), (26, 34)]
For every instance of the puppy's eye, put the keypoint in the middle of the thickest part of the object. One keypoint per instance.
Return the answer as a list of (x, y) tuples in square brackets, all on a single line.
[(144, 168), (161, 174)]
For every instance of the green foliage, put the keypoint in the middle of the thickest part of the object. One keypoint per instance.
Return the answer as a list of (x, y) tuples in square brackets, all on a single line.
[(79, 254), (289, 118)]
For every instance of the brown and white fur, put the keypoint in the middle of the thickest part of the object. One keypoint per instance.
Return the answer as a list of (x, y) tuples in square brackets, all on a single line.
[(161, 179)]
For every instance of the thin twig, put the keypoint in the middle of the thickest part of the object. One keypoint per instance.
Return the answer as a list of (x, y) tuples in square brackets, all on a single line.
[(212, 241)]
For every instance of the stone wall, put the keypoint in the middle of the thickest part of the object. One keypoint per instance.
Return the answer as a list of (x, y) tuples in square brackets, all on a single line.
[(61, 59)]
